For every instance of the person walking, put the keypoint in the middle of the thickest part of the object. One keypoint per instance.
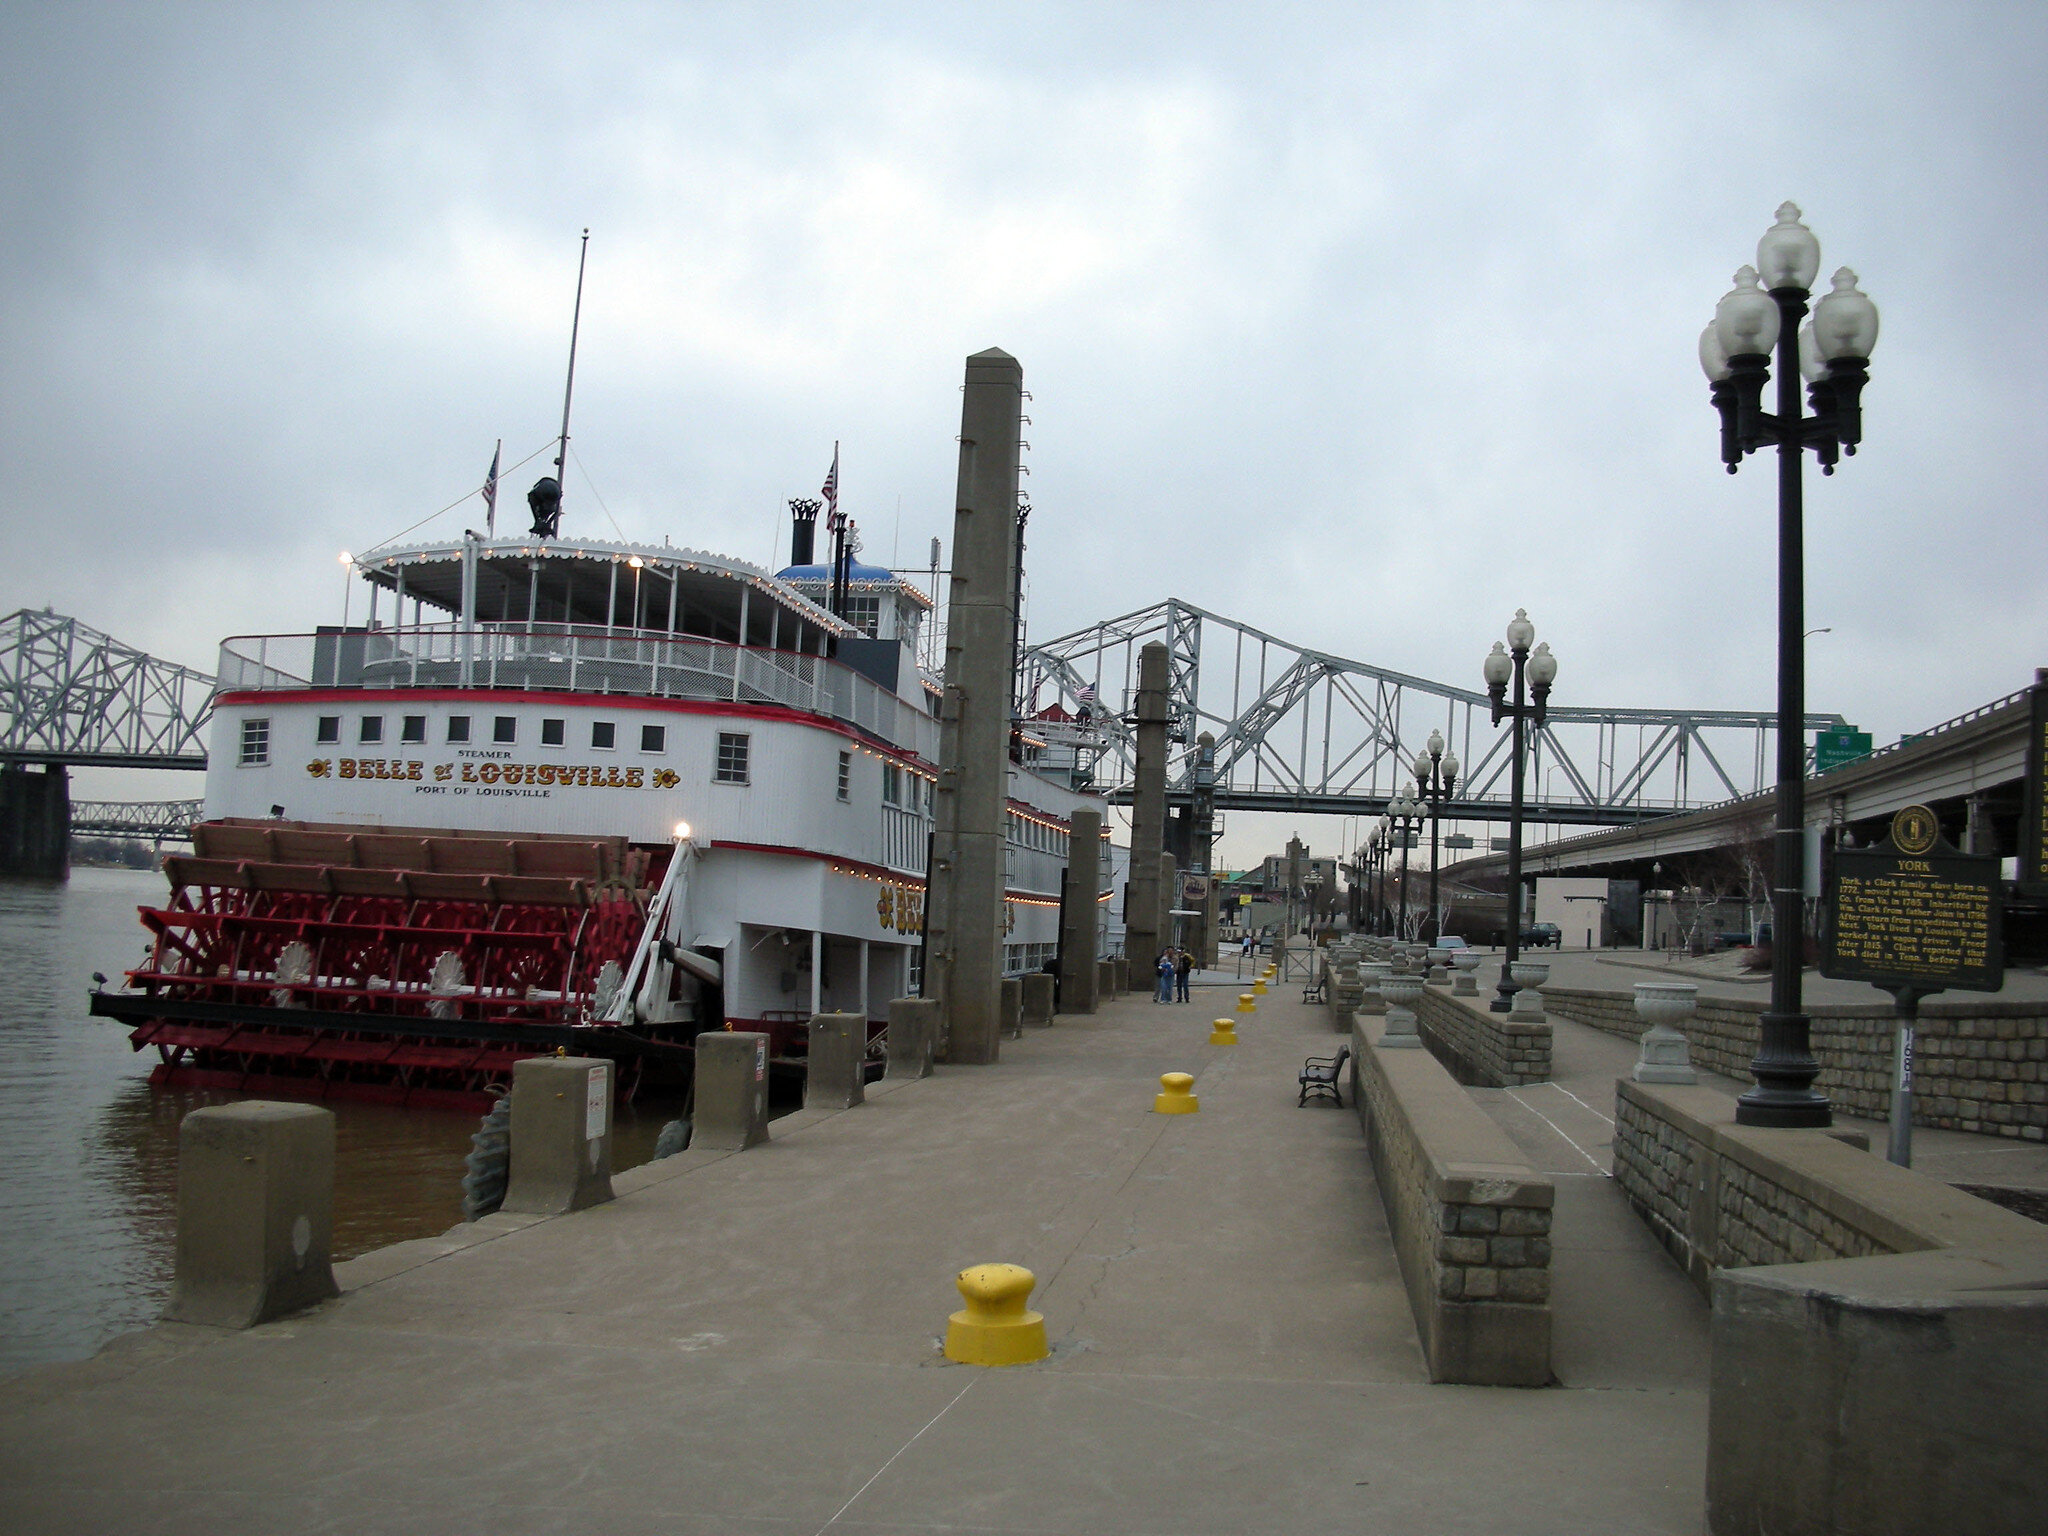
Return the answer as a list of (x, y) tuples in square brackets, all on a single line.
[(1164, 966), (1182, 969)]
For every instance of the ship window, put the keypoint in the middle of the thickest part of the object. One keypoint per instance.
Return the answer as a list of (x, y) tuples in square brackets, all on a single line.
[(330, 730), (846, 775), (372, 729), (413, 728), (551, 733), (863, 610), (732, 758), (458, 728), (892, 784), (653, 738), (604, 734), (505, 729), (255, 743)]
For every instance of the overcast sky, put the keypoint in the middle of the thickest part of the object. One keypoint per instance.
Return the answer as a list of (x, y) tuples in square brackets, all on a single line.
[(1365, 324)]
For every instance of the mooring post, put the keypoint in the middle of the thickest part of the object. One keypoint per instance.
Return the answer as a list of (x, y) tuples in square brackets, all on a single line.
[(913, 1030), (561, 1135), (834, 1075), (255, 1213), (731, 1096)]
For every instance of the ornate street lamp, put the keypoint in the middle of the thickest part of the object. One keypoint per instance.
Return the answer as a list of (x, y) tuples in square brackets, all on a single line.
[(1406, 812), (1832, 351), (1538, 671), (1436, 775)]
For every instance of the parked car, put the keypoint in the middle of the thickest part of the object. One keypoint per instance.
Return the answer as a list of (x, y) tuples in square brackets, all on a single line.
[(1542, 935), (1451, 941)]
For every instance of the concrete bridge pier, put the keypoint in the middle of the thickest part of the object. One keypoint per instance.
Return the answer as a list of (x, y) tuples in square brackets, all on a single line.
[(35, 821)]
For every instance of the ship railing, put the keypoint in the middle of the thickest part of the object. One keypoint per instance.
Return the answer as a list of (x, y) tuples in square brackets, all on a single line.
[(574, 659), (905, 839)]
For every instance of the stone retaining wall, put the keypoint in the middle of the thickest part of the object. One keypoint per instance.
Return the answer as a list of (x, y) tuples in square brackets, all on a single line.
[(1470, 1220), (1977, 1066), (1717, 1194), (1479, 1047)]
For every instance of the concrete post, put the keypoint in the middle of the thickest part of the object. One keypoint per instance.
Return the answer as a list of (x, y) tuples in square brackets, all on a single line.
[(561, 1135), (1012, 1005), (1079, 979), (731, 1096), (255, 1213), (913, 1030), (1105, 978), (35, 822), (1295, 851), (1142, 937), (1202, 937), (1169, 894), (834, 1077), (964, 912), (1120, 973), (1038, 1004)]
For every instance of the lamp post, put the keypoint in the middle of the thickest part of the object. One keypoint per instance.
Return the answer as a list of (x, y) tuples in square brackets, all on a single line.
[(1313, 886), (1406, 811), (1832, 351), (1376, 849), (1436, 775), (1538, 671)]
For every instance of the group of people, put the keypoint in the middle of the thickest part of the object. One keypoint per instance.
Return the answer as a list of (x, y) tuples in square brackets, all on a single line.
[(1174, 966)]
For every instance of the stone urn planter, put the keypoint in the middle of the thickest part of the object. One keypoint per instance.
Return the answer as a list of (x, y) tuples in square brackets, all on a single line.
[(1370, 974), (1528, 977), (1665, 1056), (1439, 962), (1402, 993), (1466, 983)]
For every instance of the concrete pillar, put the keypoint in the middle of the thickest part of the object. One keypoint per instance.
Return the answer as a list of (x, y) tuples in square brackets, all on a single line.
[(913, 1030), (35, 822), (834, 1076), (255, 1213), (970, 821), (1169, 896), (561, 1135), (1120, 973), (1079, 978), (1295, 853), (1038, 1003), (1013, 1007), (731, 1096), (1142, 937), (1106, 983)]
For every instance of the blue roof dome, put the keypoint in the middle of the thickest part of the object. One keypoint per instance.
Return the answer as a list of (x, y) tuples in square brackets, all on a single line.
[(855, 572)]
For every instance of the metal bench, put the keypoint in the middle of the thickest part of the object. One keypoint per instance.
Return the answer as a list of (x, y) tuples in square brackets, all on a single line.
[(1313, 992), (1319, 1075)]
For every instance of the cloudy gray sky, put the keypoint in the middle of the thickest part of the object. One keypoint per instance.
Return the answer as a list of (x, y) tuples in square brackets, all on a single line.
[(1363, 323)]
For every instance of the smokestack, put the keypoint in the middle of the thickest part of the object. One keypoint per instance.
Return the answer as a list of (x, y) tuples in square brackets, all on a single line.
[(803, 533)]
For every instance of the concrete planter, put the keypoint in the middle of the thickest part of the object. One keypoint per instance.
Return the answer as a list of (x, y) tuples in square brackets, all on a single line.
[(1466, 982), (1402, 993), (1528, 977), (1665, 1056)]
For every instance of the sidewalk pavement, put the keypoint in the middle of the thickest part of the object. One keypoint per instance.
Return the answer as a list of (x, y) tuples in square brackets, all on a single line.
[(749, 1342)]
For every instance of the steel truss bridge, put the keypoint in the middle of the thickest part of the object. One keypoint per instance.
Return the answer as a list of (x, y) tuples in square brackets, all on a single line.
[(150, 820), (1302, 730), (70, 695)]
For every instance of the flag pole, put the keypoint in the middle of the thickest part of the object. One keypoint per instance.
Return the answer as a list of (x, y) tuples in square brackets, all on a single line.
[(569, 389)]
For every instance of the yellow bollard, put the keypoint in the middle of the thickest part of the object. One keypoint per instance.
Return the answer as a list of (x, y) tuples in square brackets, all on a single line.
[(1246, 1003), (993, 1328), (1223, 1032), (1259, 987), (1176, 1095)]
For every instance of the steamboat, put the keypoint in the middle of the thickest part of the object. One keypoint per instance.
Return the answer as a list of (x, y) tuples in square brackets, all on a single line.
[(600, 796)]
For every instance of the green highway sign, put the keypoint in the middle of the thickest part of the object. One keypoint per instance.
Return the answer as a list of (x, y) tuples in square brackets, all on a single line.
[(1831, 749)]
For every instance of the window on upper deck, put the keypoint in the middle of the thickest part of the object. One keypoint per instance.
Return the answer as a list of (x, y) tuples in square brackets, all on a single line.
[(412, 728), (733, 752), (653, 738), (371, 730), (604, 735), (255, 743), (846, 775), (329, 731), (458, 729), (505, 729), (892, 784), (864, 609), (551, 733)]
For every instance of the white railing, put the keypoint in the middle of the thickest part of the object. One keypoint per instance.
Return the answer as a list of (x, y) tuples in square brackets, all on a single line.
[(905, 837), (575, 659)]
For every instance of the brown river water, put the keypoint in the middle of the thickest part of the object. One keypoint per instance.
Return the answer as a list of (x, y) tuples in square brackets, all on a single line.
[(89, 1151)]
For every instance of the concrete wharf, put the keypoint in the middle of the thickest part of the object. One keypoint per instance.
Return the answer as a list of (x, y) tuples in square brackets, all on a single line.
[(749, 1342)]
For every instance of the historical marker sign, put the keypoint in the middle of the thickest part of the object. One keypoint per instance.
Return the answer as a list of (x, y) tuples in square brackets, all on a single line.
[(1914, 913), (2034, 819)]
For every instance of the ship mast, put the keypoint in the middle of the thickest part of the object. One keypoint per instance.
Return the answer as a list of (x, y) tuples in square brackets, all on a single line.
[(569, 389)]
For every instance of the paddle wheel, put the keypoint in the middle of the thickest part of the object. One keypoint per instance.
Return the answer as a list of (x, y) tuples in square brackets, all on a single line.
[(399, 965)]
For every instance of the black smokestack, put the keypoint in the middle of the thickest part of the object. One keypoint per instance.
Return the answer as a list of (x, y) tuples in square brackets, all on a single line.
[(803, 534)]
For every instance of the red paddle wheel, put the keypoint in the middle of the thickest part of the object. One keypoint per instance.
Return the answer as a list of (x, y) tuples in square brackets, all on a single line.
[(403, 965)]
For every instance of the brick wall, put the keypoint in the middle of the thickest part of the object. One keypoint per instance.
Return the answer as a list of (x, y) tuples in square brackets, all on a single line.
[(1470, 1221), (1978, 1066), (1480, 1047)]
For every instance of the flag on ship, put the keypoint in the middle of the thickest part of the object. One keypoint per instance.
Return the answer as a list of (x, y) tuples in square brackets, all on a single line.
[(831, 491), (491, 490)]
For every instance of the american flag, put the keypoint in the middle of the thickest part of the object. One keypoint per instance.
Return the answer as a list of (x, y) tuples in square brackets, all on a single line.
[(491, 489), (1087, 694), (831, 491)]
